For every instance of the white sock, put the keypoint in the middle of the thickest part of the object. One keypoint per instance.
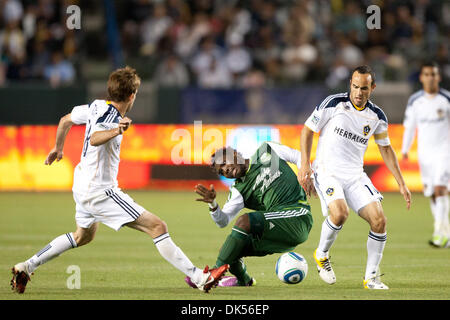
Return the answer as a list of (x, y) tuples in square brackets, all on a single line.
[(327, 237), (52, 250), (375, 247), (436, 223), (442, 208), (176, 257)]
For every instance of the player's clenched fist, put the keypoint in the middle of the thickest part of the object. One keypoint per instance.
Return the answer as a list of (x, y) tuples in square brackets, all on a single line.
[(124, 124)]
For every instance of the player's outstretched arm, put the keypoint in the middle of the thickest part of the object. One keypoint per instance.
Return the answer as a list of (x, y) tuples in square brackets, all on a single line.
[(390, 159), (63, 128), (231, 208), (305, 171)]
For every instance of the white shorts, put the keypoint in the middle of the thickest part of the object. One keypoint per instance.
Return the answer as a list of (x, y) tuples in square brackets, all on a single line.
[(434, 174), (356, 191), (111, 207)]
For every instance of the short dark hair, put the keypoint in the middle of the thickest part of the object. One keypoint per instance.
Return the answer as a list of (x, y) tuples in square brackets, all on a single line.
[(365, 69), (221, 156), (429, 64)]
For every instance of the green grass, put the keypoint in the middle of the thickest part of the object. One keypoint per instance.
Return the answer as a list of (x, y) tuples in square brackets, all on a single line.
[(126, 264)]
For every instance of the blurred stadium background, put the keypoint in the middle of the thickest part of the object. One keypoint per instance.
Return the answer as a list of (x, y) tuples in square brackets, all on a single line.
[(248, 70)]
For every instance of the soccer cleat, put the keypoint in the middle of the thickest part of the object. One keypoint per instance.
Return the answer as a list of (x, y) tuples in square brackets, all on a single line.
[(231, 281), (324, 268), (189, 282), (20, 278), (375, 283), (439, 242), (227, 281), (211, 277)]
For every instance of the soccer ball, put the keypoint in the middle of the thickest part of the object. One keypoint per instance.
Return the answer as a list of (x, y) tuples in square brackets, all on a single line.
[(291, 268)]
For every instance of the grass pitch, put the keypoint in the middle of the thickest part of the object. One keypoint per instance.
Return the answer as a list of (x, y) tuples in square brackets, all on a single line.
[(126, 264)]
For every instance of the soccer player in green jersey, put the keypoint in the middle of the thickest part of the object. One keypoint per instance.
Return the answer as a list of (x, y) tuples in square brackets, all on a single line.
[(264, 183)]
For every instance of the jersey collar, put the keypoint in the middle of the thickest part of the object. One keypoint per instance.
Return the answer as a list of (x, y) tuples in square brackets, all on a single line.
[(358, 108)]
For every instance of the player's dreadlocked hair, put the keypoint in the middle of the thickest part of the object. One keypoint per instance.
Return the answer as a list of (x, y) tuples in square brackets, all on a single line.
[(225, 155)]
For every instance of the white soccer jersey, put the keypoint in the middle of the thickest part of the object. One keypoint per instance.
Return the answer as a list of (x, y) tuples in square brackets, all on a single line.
[(344, 134), (430, 115), (99, 165)]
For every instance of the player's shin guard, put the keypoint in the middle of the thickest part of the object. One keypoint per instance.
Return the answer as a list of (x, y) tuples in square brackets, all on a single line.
[(375, 246), (233, 247), (52, 250), (328, 235), (175, 256)]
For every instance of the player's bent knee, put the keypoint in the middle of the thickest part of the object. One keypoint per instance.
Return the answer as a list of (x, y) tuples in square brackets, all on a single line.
[(338, 213), (440, 191), (378, 224), (161, 227), (243, 222), (82, 238)]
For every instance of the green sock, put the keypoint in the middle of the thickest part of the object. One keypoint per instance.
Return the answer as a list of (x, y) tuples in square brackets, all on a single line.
[(239, 269), (232, 249)]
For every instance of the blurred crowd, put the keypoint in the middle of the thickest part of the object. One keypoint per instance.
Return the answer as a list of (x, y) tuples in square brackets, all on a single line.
[(233, 43), (226, 43), (35, 43)]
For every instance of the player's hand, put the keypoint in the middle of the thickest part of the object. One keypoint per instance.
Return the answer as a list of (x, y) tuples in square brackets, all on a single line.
[(208, 195), (404, 156), (53, 155), (406, 195), (305, 180), (124, 124)]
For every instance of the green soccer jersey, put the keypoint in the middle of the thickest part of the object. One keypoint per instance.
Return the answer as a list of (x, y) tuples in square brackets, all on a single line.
[(269, 182)]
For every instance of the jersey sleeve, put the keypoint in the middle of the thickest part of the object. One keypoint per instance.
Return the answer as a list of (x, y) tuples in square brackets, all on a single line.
[(231, 208), (381, 134), (79, 114), (409, 125), (320, 115), (287, 154), (109, 120)]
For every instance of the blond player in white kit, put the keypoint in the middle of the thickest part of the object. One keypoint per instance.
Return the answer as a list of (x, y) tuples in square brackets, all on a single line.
[(346, 121), (428, 111), (95, 189)]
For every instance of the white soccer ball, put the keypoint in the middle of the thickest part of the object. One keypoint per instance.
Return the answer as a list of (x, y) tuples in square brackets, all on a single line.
[(291, 268)]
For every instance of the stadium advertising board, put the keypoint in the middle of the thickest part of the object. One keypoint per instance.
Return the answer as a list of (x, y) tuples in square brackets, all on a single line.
[(165, 156)]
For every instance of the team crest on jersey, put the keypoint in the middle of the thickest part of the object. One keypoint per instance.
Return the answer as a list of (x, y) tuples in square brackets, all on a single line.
[(366, 130), (330, 191), (315, 119), (440, 113)]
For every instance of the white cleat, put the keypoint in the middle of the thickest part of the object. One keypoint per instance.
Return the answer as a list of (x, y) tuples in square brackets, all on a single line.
[(324, 268), (374, 284)]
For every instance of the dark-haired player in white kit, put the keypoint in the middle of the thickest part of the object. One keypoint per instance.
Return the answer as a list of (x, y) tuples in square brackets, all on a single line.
[(346, 121), (428, 111)]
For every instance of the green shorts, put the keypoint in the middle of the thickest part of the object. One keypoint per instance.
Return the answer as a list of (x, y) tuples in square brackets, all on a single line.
[(279, 230)]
